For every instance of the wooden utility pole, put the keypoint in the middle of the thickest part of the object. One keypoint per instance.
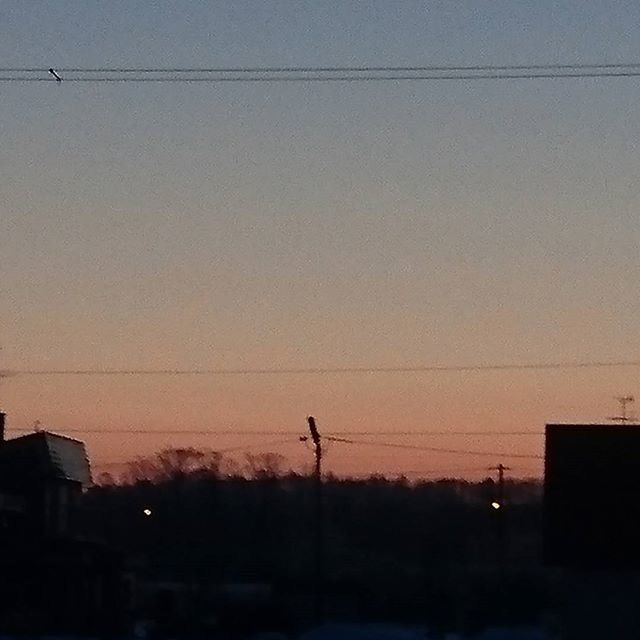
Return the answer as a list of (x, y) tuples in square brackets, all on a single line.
[(501, 469), (499, 506), (624, 401), (319, 524)]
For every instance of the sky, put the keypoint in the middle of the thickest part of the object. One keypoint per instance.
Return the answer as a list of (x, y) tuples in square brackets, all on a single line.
[(318, 225)]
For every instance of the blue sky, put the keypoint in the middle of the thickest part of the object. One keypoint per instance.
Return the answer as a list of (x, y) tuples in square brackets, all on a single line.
[(273, 225)]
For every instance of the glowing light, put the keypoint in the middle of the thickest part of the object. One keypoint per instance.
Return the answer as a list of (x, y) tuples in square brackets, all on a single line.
[(147, 512), (496, 505)]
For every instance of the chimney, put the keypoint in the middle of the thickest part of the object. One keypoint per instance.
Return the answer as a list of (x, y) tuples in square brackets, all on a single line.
[(2, 416)]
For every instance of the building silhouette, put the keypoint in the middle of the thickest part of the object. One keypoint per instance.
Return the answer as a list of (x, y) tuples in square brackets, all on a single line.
[(54, 578)]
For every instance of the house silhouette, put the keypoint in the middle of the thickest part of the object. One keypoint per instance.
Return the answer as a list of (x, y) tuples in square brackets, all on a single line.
[(54, 579)]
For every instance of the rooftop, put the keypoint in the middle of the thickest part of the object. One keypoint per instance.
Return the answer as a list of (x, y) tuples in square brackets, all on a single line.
[(45, 456)]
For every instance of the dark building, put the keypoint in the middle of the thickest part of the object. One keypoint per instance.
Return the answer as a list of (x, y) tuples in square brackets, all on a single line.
[(591, 505), (42, 476), (54, 579)]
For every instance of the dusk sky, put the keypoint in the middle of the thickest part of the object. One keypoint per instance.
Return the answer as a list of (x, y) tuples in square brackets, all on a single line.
[(319, 225)]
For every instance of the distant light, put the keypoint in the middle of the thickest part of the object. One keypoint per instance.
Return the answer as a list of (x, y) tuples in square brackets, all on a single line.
[(496, 505), (147, 512)]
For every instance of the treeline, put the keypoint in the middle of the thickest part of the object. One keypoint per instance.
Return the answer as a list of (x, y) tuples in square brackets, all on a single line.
[(394, 549)]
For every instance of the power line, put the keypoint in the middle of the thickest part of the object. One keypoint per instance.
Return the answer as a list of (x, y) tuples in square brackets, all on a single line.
[(272, 443), (288, 440), (274, 78), (134, 431), (589, 364), (328, 69), (148, 432), (412, 447), (441, 472), (438, 433), (330, 438)]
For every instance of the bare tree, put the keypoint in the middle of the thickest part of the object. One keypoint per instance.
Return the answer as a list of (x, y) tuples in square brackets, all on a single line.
[(264, 465)]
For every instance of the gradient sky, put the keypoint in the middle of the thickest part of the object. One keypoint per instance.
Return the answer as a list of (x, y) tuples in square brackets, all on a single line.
[(310, 225)]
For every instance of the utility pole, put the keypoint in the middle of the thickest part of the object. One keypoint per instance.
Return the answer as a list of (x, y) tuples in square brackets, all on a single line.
[(319, 524), (501, 469), (498, 505), (3, 374), (624, 401)]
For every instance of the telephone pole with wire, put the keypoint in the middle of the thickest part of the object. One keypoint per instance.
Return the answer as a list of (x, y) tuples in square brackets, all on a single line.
[(624, 416), (500, 501), (319, 521), (3, 374), (498, 505)]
